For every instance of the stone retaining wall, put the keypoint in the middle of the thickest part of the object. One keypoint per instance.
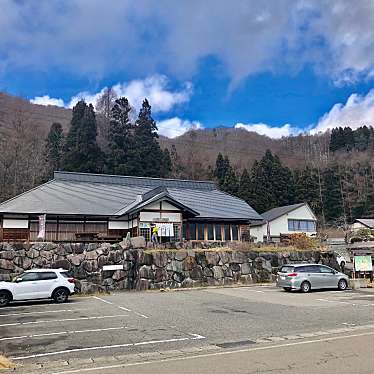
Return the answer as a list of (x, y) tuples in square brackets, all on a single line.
[(144, 269)]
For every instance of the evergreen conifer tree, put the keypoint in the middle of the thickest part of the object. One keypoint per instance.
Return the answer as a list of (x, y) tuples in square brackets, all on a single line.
[(81, 151), (332, 197), (149, 159), (307, 188), (54, 144), (120, 138), (230, 184), (245, 187), (221, 169)]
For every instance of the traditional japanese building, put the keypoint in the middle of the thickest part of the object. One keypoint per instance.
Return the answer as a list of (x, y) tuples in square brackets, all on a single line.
[(80, 206)]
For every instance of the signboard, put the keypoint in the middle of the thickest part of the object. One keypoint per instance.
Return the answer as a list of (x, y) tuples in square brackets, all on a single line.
[(113, 267), (42, 220), (363, 263), (144, 225)]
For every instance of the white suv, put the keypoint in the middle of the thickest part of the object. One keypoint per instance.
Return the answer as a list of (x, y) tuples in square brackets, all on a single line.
[(38, 284)]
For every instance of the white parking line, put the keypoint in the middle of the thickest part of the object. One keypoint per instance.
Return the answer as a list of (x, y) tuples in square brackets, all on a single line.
[(62, 320), (62, 333), (120, 307), (195, 337), (214, 354), (42, 312), (337, 301)]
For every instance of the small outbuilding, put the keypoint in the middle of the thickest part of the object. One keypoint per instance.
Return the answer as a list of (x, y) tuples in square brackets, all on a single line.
[(81, 206), (363, 223), (284, 220)]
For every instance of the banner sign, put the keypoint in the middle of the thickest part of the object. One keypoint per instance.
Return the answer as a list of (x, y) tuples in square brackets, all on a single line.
[(42, 221), (363, 263)]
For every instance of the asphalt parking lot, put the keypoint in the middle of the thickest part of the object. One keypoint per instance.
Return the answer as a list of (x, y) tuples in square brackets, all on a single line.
[(91, 333)]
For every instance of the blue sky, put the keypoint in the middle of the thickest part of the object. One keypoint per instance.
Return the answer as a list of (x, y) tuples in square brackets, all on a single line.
[(278, 67)]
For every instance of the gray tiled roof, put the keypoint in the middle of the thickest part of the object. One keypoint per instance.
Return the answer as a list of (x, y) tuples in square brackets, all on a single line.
[(280, 211), (104, 195), (368, 222)]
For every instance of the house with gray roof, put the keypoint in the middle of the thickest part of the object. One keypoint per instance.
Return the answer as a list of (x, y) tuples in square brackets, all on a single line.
[(81, 206), (363, 223), (284, 220)]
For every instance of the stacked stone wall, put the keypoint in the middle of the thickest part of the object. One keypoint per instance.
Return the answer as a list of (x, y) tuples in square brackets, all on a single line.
[(151, 269)]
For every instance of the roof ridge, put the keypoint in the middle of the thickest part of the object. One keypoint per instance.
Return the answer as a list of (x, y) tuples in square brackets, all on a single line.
[(61, 172)]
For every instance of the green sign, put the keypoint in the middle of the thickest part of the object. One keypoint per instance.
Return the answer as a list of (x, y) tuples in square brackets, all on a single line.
[(363, 263)]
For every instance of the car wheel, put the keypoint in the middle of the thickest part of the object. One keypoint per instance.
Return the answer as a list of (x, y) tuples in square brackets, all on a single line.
[(287, 289), (5, 298), (342, 285), (60, 295), (305, 287)]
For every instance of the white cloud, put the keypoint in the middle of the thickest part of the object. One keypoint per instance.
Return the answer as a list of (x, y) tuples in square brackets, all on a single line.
[(154, 88), (46, 100), (356, 112), (94, 38), (176, 126), (270, 131)]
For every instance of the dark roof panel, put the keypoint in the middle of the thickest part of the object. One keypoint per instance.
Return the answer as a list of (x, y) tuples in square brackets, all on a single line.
[(133, 181), (280, 211)]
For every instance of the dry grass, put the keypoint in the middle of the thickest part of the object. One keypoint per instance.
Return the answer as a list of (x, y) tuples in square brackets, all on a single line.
[(5, 363), (270, 248)]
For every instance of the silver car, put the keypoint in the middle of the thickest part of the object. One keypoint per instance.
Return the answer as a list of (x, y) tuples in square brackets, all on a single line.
[(305, 277)]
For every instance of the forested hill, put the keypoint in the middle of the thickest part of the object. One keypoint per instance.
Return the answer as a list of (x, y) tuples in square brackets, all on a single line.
[(333, 172)]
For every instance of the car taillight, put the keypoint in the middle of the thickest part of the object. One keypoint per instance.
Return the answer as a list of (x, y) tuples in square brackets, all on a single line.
[(71, 280), (292, 275)]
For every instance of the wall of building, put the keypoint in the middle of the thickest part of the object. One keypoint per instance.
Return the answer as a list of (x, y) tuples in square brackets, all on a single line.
[(358, 226), (279, 225), (141, 270)]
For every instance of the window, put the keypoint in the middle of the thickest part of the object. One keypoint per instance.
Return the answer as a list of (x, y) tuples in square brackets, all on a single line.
[(192, 230), (176, 237), (146, 233), (235, 232), (200, 231), (66, 274), (301, 225), (210, 230), (218, 232), (47, 275), (326, 270), (29, 277), (227, 233), (286, 269)]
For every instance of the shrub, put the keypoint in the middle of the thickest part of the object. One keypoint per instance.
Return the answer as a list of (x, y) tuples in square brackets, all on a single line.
[(301, 241)]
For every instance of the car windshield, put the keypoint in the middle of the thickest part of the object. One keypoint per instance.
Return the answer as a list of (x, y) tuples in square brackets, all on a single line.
[(286, 269)]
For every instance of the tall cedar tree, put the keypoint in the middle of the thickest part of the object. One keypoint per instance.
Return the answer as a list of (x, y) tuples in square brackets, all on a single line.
[(120, 139), (149, 159), (272, 183), (222, 169), (54, 145), (333, 204), (81, 151), (307, 188), (231, 183), (245, 186)]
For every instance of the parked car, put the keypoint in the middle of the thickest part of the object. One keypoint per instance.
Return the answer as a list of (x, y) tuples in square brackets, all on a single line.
[(38, 284), (305, 277), (341, 260)]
